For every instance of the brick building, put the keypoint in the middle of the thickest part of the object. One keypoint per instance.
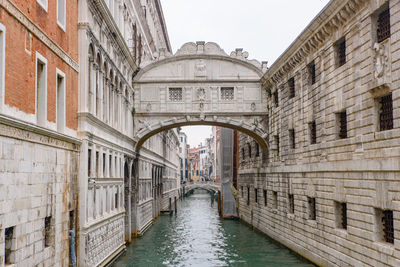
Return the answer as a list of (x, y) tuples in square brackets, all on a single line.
[(38, 124)]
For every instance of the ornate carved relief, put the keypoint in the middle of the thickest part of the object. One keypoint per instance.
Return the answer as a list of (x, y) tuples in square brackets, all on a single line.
[(101, 242), (380, 60), (200, 70)]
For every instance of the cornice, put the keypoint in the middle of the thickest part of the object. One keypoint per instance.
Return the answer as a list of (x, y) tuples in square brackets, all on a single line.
[(335, 14), (18, 129)]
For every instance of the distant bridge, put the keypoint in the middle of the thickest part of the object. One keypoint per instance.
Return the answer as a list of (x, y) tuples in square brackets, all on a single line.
[(209, 186)]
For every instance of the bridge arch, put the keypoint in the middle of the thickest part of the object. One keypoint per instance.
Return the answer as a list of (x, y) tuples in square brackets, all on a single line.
[(200, 85)]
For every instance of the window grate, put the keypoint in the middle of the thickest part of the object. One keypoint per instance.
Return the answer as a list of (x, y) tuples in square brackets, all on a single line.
[(386, 113), (341, 52), (265, 197), (291, 84), (292, 138), (343, 125), (291, 203), (388, 230), (313, 132), (311, 72), (175, 94), (312, 209), (383, 26), (276, 98), (248, 196), (344, 215), (257, 150), (227, 93)]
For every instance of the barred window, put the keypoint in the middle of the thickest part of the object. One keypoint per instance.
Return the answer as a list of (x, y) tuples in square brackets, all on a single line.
[(312, 214), (227, 93), (265, 197), (175, 94), (386, 113), (9, 243), (383, 25), (340, 51), (384, 220), (276, 98), (291, 85), (313, 132), (341, 215), (292, 139), (291, 203), (47, 231), (248, 196), (311, 72), (275, 195), (342, 118)]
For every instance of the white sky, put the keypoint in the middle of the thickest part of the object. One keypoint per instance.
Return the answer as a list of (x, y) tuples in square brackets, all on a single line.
[(264, 28)]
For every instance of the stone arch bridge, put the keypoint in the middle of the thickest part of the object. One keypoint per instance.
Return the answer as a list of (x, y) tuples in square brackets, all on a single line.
[(210, 187), (200, 85)]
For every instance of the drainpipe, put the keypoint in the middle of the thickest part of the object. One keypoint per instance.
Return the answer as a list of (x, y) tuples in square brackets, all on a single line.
[(72, 248)]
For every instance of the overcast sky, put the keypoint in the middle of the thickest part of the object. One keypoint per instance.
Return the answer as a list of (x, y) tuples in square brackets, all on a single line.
[(264, 28)]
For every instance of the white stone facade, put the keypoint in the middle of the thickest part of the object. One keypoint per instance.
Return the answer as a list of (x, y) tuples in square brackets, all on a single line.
[(333, 168)]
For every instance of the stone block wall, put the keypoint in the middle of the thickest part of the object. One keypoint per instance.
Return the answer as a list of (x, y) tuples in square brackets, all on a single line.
[(324, 194), (37, 200)]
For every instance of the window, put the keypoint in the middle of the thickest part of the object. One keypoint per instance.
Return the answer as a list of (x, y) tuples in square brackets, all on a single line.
[(312, 215), (265, 197), (275, 203), (249, 148), (385, 229), (340, 51), (276, 138), (2, 62), (255, 195), (227, 93), (60, 101), (291, 85), (311, 72), (116, 199), (291, 203), (248, 196), (241, 190), (385, 113), (43, 4), (257, 150), (61, 13), (313, 132), (243, 154), (104, 164), (342, 119), (383, 25), (89, 162), (9, 242), (276, 98), (341, 215), (41, 89), (175, 94), (292, 139), (47, 231)]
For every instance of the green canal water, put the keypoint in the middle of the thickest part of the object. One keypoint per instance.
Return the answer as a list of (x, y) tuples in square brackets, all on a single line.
[(196, 236)]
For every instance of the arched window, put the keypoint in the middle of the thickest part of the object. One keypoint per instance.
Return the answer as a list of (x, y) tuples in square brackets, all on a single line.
[(98, 85), (90, 77)]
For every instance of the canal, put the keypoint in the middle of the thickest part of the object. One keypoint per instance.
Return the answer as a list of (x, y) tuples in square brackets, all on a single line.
[(196, 236)]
